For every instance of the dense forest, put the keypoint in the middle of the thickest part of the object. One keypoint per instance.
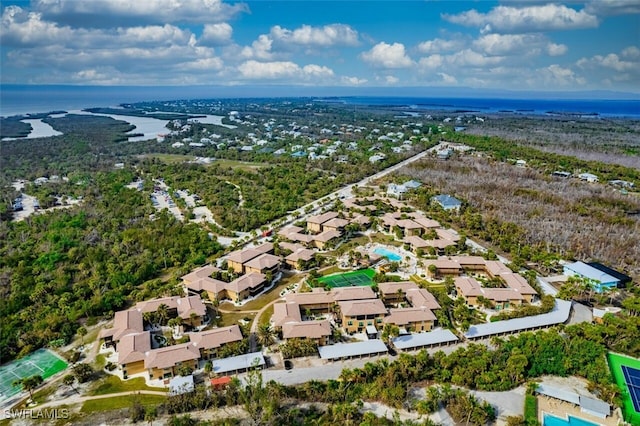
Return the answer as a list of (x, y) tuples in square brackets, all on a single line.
[(68, 265)]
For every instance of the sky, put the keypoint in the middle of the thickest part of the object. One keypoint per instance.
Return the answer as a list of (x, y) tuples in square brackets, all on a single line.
[(526, 45)]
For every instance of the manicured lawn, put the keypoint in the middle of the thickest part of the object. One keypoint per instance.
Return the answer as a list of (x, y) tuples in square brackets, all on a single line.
[(616, 361), (113, 384), (266, 315), (235, 317), (119, 402), (264, 299)]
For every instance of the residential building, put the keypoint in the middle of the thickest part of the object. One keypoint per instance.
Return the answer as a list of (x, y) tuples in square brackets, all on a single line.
[(447, 202), (166, 362), (208, 342), (356, 315), (601, 280), (314, 223)]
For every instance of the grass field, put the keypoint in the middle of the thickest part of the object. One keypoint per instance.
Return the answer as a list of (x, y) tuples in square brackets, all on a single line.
[(113, 384), (363, 277), (616, 361), (41, 362)]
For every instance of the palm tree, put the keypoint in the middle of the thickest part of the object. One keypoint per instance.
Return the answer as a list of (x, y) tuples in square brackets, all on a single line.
[(82, 332), (29, 383), (162, 314), (266, 335)]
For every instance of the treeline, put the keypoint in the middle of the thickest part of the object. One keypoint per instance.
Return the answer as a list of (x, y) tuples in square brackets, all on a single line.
[(59, 268)]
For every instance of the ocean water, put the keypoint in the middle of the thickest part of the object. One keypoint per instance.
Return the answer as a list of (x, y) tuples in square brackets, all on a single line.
[(23, 99), (584, 107)]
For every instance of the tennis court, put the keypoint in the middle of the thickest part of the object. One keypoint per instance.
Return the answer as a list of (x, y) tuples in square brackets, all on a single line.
[(41, 362), (363, 277), (626, 372)]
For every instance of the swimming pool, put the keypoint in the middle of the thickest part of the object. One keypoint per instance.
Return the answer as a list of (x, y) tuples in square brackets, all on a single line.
[(394, 257), (551, 420)]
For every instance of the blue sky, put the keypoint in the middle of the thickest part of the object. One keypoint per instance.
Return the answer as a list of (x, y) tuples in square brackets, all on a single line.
[(515, 45)]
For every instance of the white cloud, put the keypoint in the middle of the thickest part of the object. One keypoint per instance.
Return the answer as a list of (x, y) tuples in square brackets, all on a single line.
[(353, 81), (278, 70), (506, 44), (216, 34), (555, 76), (259, 49), (554, 49), (384, 55), (306, 35), (391, 80), (507, 19), (613, 7), (100, 13), (448, 79), (470, 58), (21, 28), (631, 52), (431, 62), (439, 45)]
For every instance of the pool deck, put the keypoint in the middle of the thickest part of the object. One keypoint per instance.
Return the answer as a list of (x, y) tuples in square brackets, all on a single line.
[(561, 409)]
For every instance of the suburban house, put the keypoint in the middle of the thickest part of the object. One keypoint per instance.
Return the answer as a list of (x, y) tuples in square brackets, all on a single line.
[(447, 202), (398, 190), (601, 280)]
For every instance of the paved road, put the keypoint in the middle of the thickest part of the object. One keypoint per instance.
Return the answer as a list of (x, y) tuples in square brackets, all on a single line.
[(344, 192)]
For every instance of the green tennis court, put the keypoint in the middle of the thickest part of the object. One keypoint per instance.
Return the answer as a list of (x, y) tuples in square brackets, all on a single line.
[(41, 362), (363, 277), (616, 362)]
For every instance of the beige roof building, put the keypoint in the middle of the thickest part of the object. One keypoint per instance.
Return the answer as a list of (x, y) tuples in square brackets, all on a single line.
[(285, 312), (316, 297), (300, 254), (421, 298), (335, 223), (263, 261), (169, 356), (391, 288), (292, 247), (132, 347), (284, 232), (468, 286), (354, 308), (264, 247), (405, 316), (307, 329), (124, 322), (322, 218), (327, 236), (247, 282), (243, 256), (216, 337), (200, 273), (340, 294)]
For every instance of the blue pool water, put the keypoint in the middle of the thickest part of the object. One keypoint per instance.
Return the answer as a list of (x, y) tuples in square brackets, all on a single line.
[(550, 420), (394, 257)]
